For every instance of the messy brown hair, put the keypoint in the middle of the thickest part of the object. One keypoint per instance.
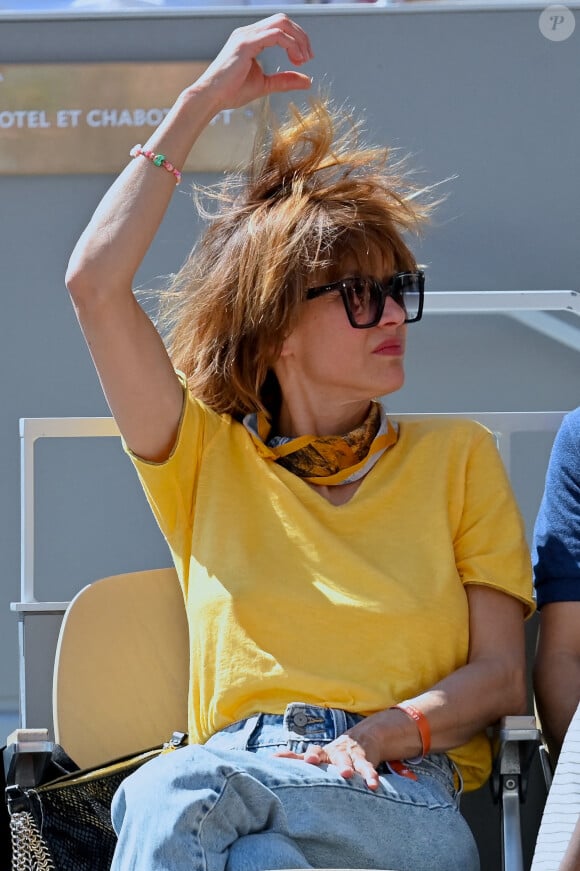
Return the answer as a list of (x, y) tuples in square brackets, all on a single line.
[(312, 198)]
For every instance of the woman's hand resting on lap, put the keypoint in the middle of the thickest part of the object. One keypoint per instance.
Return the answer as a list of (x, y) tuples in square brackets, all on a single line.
[(357, 751)]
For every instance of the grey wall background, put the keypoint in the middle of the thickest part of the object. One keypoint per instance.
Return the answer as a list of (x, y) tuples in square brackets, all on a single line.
[(471, 92)]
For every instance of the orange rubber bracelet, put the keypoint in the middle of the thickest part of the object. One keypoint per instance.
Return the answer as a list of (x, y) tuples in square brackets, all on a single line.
[(422, 724)]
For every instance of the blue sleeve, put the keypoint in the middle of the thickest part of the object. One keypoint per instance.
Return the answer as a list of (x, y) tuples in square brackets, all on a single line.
[(556, 546)]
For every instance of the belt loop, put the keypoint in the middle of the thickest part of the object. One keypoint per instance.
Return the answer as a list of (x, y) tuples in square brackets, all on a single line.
[(250, 727), (457, 778), (338, 721)]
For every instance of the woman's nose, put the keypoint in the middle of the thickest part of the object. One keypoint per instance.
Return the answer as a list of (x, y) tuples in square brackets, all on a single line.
[(393, 313)]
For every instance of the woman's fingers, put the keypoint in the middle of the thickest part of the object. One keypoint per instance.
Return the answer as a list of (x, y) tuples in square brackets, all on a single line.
[(288, 81), (236, 72), (315, 755), (368, 772), (277, 30), (351, 760), (347, 756)]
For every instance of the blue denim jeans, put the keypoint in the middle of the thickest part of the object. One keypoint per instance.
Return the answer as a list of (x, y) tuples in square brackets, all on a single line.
[(230, 805)]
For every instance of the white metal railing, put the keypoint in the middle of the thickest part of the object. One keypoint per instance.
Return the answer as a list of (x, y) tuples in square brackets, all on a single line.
[(501, 301), (529, 307)]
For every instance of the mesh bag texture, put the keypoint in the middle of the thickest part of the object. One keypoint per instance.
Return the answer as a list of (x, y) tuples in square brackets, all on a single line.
[(73, 816)]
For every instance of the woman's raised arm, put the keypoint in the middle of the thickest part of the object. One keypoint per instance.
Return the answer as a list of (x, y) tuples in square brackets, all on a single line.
[(138, 379)]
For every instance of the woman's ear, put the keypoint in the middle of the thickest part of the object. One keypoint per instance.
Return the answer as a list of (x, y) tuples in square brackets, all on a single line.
[(286, 348)]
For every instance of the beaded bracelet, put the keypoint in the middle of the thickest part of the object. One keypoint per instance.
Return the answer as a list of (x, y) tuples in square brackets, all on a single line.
[(157, 159)]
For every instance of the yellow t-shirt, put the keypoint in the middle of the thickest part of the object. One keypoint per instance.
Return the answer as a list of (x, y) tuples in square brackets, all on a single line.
[(290, 598)]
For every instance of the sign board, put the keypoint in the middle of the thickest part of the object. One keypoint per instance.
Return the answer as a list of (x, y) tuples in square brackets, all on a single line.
[(85, 117)]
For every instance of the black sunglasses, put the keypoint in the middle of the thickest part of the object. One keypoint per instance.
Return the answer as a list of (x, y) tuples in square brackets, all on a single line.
[(364, 298)]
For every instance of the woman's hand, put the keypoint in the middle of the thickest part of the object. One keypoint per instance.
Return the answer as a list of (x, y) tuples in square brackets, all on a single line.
[(355, 752), (236, 76)]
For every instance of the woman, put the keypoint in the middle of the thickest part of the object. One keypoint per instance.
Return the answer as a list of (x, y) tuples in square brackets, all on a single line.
[(355, 589)]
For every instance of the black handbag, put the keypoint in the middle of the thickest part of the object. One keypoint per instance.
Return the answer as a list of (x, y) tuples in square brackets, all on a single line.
[(63, 823)]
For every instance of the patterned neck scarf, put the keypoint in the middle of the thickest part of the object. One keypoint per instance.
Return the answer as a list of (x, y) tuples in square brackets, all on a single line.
[(326, 460)]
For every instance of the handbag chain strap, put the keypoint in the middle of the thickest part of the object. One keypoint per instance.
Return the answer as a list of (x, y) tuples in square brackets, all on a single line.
[(29, 852)]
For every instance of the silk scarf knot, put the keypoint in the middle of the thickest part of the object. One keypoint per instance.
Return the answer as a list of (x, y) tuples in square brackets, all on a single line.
[(326, 460)]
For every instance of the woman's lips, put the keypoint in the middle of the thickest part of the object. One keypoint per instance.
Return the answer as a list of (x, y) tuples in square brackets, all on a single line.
[(390, 348)]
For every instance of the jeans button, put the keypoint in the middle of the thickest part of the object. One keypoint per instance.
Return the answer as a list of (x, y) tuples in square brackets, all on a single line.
[(300, 719)]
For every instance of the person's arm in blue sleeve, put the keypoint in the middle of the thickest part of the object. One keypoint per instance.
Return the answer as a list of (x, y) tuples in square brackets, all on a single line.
[(556, 557)]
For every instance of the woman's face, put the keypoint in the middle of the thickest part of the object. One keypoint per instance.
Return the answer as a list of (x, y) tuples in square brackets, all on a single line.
[(324, 354)]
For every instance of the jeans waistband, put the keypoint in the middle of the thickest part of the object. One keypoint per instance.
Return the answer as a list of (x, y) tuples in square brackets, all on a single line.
[(300, 724)]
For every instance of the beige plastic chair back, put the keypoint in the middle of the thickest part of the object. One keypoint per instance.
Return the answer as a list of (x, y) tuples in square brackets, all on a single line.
[(122, 667)]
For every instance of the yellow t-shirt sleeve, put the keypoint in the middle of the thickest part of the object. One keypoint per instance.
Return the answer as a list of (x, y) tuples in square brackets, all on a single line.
[(490, 544), (170, 485)]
